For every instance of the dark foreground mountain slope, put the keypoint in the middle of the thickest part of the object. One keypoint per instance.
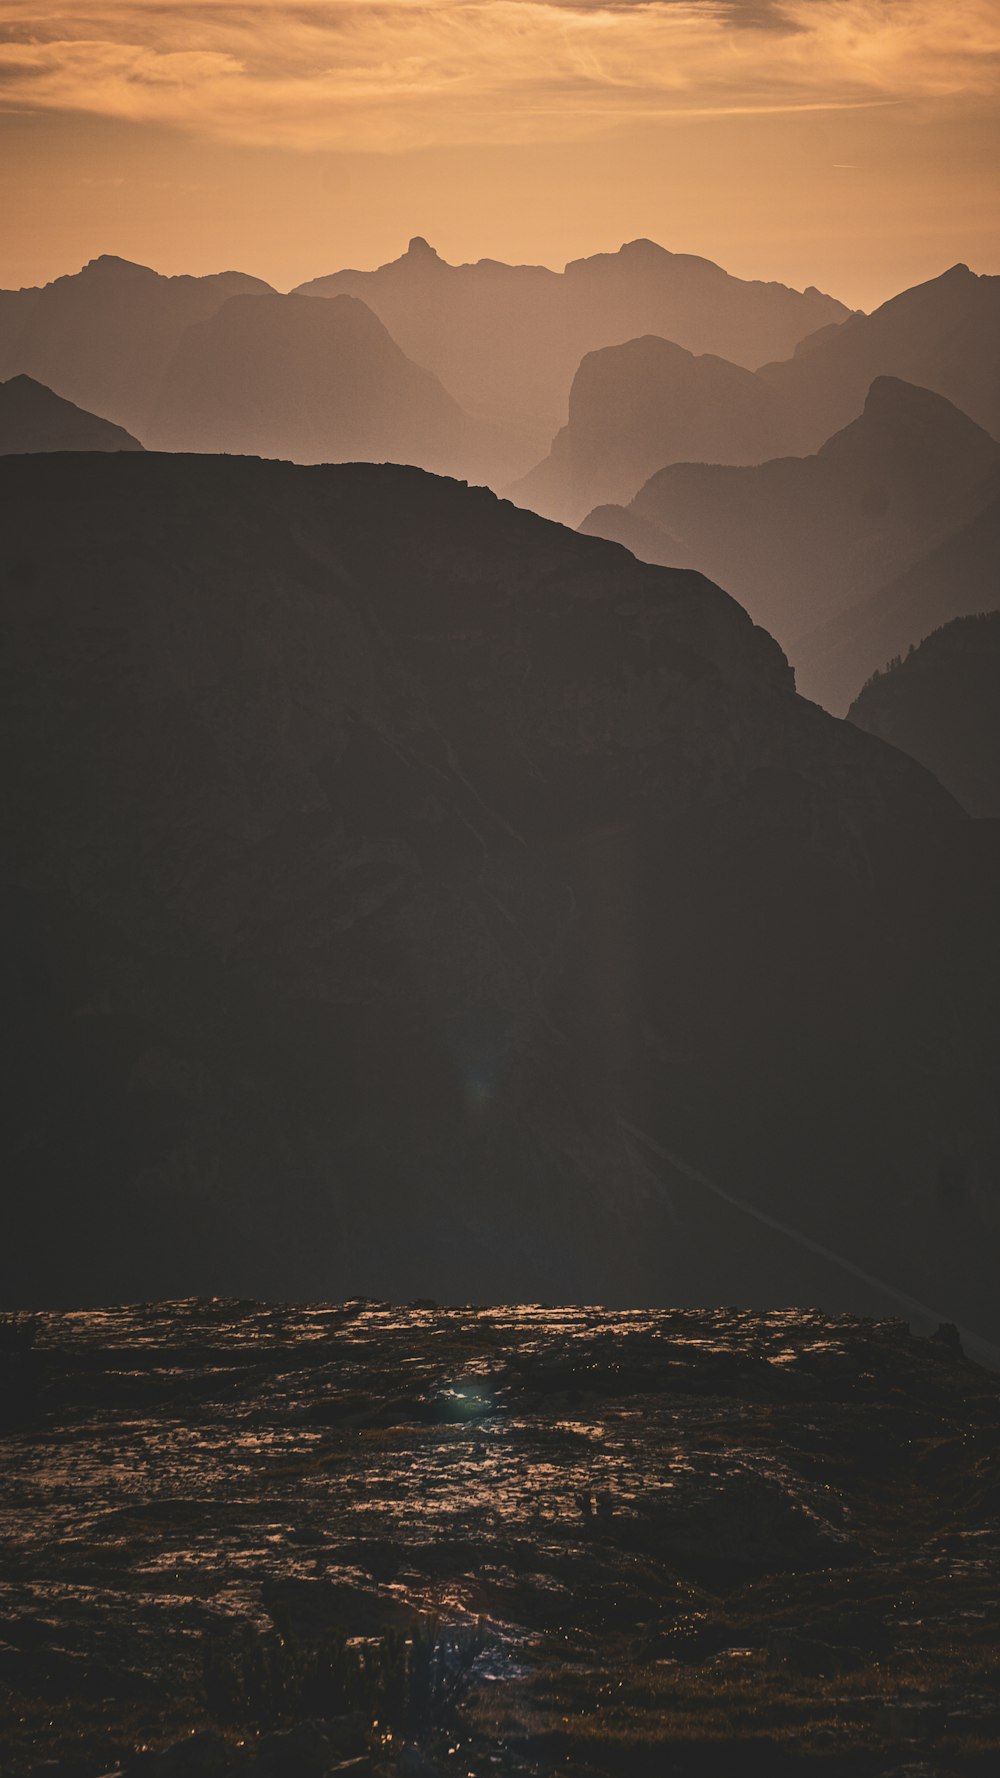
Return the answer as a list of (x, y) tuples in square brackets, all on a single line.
[(506, 340), (941, 704), (280, 376), (403, 894), (32, 418), (103, 336), (799, 539), (957, 579), (635, 407)]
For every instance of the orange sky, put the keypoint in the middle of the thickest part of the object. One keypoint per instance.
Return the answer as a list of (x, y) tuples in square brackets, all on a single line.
[(849, 143)]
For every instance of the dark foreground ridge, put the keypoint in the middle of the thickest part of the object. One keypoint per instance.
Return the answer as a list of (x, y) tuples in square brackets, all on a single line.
[(688, 1542)]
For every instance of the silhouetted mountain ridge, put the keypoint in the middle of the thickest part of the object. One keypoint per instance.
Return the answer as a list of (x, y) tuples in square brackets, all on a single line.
[(800, 540), (506, 340), (32, 418), (281, 376)]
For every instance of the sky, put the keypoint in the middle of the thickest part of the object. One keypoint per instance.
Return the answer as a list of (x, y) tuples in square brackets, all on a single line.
[(852, 144)]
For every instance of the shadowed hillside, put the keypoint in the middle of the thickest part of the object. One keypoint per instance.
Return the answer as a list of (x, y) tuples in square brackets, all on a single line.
[(404, 894), (942, 705), (33, 419)]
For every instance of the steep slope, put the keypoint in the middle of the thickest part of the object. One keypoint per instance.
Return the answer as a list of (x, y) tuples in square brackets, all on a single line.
[(103, 337), (33, 419), (635, 407), (799, 539), (280, 376), (506, 340), (941, 704), (405, 895), (943, 336), (957, 579)]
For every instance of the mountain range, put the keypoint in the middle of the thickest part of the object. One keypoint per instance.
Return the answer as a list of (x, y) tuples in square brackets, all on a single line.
[(404, 894), (804, 542), (640, 408), (103, 336), (506, 340), (941, 704), (33, 419)]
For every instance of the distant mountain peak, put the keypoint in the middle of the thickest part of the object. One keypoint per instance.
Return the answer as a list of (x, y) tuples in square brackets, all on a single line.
[(419, 248)]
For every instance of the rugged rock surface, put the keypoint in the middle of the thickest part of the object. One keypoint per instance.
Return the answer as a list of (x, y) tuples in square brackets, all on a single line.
[(405, 894), (941, 704), (632, 1543), (103, 337), (507, 340), (33, 419)]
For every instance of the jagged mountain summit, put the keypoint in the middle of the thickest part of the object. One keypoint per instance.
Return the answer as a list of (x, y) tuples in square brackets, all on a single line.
[(636, 410), (800, 539), (506, 340), (32, 418), (281, 376), (407, 895), (941, 704), (103, 336)]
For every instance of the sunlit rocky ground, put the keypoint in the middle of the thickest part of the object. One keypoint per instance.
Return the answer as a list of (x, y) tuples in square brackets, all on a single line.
[(424, 1540)]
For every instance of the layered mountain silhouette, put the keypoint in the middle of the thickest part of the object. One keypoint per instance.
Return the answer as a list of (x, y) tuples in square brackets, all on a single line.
[(32, 418), (801, 539), (405, 894), (644, 408), (506, 340), (943, 335), (636, 407), (956, 579), (942, 705), (103, 336), (283, 376)]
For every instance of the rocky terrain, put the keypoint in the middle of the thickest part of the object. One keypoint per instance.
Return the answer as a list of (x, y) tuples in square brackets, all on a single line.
[(274, 1541)]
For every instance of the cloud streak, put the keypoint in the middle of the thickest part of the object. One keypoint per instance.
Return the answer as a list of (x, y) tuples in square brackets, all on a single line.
[(317, 74)]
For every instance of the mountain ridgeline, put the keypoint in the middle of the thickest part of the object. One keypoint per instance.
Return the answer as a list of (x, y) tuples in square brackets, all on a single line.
[(810, 544), (637, 408), (406, 895), (506, 340), (33, 419)]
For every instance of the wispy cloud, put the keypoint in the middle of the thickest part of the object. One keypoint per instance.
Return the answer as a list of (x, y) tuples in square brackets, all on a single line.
[(402, 73)]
